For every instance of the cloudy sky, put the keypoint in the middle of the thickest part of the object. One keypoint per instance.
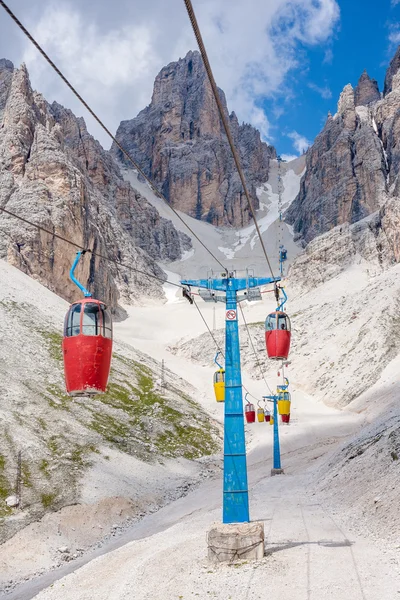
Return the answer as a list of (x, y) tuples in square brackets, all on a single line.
[(281, 63)]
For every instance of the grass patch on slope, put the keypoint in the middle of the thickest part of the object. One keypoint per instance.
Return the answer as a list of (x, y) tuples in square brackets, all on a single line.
[(148, 416), (5, 489)]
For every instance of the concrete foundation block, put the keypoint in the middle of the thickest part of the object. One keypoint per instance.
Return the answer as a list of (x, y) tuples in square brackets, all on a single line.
[(236, 541), (277, 472)]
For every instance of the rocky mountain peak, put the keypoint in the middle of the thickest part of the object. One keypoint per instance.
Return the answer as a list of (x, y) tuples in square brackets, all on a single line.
[(391, 72), (366, 91), (6, 64), (54, 173), (347, 170), (179, 141), (346, 99)]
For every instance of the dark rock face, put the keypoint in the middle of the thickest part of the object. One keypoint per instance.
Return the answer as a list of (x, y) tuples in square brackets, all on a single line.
[(366, 91), (392, 70), (6, 71), (179, 142), (54, 173), (346, 172), (353, 168), (153, 234)]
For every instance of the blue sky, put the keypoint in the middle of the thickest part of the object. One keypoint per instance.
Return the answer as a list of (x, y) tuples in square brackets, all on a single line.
[(281, 63), (366, 37)]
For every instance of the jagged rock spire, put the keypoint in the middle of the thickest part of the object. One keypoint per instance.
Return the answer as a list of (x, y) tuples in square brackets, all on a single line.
[(180, 143), (366, 91)]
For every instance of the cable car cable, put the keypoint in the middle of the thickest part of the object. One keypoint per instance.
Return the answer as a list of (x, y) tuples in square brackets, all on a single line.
[(108, 132), (203, 52), (254, 350), (219, 348), (96, 254)]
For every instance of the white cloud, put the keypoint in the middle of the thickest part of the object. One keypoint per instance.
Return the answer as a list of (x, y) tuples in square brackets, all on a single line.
[(113, 61), (394, 36), (328, 56), (300, 142), (324, 92)]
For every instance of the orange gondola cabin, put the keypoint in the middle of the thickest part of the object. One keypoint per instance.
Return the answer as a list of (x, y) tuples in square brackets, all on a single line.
[(277, 335), (87, 347)]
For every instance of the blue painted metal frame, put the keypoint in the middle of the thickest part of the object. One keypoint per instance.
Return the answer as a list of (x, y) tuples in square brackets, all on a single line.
[(277, 447), (235, 489), (86, 293), (282, 304), (216, 360)]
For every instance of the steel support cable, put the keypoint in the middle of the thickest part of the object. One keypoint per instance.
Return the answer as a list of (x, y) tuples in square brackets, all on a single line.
[(219, 348), (108, 132), (197, 33), (209, 330), (254, 350), (96, 254)]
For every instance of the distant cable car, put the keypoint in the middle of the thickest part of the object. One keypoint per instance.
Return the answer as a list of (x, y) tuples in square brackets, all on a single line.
[(87, 343), (250, 413), (267, 416), (260, 415), (284, 403), (219, 381), (282, 254), (277, 335), (219, 385)]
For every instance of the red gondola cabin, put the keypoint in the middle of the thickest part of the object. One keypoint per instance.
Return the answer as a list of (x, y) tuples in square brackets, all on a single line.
[(87, 347), (250, 413), (277, 335)]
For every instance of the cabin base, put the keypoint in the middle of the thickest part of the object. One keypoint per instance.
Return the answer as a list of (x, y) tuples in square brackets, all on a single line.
[(236, 541), (277, 472)]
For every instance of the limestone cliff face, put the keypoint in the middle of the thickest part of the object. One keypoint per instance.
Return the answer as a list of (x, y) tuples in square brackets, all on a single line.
[(54, 173), (346, 172), (178, 140), (353, 166), (391, 72)]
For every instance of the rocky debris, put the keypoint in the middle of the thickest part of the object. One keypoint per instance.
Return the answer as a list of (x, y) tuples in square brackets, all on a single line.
[(179, 142), (12, 501), (366, 91), (351, 472), (54, 173)]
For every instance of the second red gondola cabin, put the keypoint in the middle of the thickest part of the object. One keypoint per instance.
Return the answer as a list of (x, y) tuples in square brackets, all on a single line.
[(87, 347), (277, 335)]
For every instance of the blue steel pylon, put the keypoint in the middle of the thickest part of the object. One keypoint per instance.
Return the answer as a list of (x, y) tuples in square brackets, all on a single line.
[(277, 448), (235, 490)]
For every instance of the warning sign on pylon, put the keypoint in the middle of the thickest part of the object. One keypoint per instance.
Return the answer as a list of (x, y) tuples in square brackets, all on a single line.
[(231, 315)]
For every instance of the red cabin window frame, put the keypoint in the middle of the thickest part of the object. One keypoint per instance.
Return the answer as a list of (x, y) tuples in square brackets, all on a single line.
[(100, 325), (277, 319)]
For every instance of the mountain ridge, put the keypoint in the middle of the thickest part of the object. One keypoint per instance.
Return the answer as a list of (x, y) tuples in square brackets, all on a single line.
[(179, 142)]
